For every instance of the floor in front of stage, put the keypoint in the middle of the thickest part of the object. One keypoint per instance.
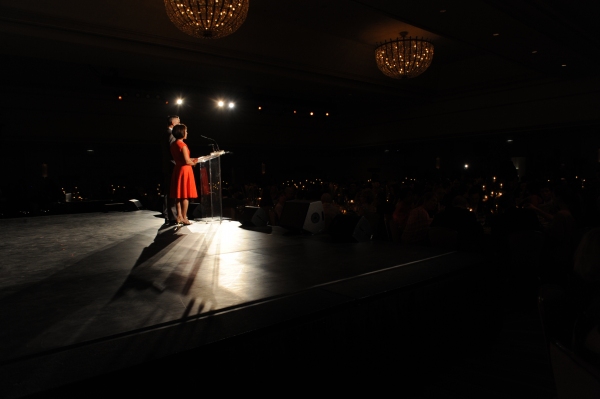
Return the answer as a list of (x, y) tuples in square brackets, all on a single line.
[(83, 294)]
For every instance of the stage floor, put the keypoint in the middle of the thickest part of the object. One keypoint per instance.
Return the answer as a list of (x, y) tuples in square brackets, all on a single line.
[(85, 294)]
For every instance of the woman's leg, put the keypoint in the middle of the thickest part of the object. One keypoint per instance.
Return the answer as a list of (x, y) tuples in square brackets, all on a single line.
[(179, 210), (184, 208)]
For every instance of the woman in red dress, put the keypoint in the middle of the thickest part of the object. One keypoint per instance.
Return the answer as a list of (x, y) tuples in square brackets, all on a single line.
[(183, 184)]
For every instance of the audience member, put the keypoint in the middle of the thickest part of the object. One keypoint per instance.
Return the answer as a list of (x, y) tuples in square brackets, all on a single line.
[(458, 187), (561, 236), (279, 207), (531, 195), (510, 219), (546, 207), (458, 218), (401, 212), (585, 294), (366, 207), (290, 193), (522, 191), (169, 207), (419, 219), (330, 210), (474, 199)]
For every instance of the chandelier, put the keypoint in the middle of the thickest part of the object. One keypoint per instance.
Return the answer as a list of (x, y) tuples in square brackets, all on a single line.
[(207, 19), (404, 58)]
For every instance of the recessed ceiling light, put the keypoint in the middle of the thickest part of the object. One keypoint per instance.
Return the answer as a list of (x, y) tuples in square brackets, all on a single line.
[(495, 34), (564, 65)]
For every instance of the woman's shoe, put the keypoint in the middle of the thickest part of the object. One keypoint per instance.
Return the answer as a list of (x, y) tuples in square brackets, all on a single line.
[(186, 222)]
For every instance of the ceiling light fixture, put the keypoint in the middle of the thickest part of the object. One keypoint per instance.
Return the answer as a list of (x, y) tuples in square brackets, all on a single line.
[(404, 58), (207, 19)]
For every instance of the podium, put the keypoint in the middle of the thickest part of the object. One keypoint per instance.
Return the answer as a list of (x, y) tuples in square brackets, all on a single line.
[(210, 208)]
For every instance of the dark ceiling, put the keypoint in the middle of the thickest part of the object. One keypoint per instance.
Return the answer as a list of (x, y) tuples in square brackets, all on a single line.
[(499, 66)]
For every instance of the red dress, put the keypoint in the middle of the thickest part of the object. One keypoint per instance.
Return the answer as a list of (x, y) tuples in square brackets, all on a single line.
[(183, 184)]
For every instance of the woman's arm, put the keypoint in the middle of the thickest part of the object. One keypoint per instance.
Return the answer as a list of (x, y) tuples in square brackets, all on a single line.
[(186, 156)]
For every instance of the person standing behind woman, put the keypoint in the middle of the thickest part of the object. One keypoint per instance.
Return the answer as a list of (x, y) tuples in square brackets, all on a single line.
[(183, 184), (169, 208)]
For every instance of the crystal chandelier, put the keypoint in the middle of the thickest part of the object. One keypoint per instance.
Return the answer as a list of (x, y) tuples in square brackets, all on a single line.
[(404, 58), (207, 19)]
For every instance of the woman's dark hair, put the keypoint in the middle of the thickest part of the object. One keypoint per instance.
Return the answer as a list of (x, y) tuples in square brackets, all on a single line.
[(179, 131)]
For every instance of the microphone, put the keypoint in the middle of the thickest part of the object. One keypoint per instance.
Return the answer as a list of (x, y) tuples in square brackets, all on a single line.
[(208, 138)]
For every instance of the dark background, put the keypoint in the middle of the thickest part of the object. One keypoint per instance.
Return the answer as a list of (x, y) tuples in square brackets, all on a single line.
[(85, 90)]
